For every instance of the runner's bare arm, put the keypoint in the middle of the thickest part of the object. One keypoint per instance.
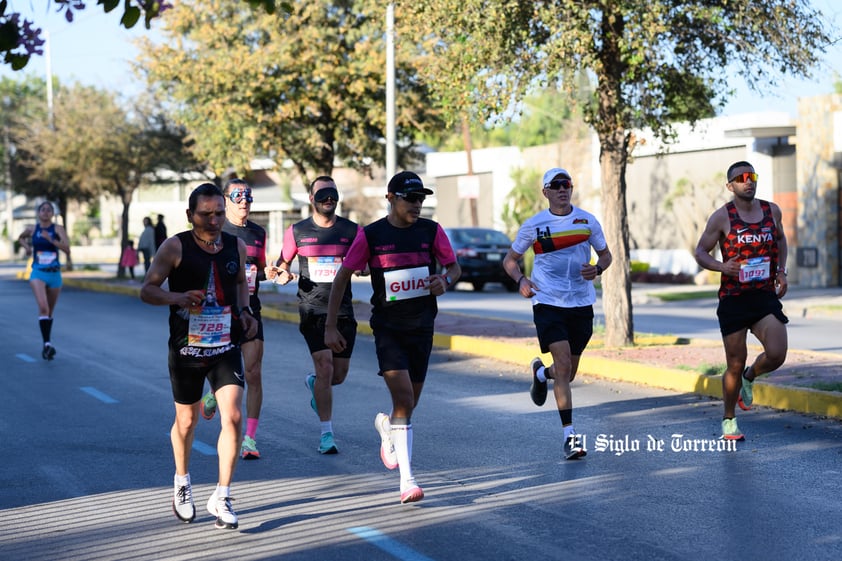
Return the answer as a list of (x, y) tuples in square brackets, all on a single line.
[(166, 259), (334, 339)]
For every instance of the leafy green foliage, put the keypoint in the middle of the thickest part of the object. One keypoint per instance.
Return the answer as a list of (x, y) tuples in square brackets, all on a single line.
[(651, 63), (304, 84)]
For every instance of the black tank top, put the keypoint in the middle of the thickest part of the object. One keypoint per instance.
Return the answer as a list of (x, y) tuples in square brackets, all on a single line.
[(215, 274)]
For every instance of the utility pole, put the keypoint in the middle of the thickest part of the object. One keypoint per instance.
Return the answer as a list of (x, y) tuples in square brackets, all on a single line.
[(7, 176), (391, 134)]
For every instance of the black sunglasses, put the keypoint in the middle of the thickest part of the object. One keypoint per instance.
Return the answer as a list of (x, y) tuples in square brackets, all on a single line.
[(412, 197), (557, 184), (322, 195)]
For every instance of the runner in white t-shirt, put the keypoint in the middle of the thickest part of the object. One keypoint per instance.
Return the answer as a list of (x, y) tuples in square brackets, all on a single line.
[(562, 292)]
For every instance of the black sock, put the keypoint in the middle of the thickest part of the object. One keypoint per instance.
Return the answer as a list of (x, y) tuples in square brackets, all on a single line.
[(566, 416), (46, 325)]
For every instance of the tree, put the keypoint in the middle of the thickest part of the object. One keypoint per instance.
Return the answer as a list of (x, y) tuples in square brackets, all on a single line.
[(653, 63), (20, 39), (95, 147), (307, 85)]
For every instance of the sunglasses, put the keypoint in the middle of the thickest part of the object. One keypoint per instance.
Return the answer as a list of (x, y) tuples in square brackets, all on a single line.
[(557, 184), (322, 195), (238, 195), (412, 197), (744, 177)]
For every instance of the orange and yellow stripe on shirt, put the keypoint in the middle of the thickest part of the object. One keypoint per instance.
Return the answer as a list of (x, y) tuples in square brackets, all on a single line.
[(561, 240)]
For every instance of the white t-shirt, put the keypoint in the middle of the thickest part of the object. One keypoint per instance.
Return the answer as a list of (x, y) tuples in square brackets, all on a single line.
[(562, 244)]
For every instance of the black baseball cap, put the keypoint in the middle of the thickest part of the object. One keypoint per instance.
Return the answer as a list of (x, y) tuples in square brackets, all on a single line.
[(407, 182)]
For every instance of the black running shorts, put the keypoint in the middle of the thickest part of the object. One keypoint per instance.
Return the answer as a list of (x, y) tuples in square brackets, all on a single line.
[(188, 382), (312, 327), (553, 324), (404, 350), (259, 335), (744, 310)]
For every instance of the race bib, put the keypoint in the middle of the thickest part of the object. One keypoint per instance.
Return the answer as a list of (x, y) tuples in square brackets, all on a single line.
[(46, 257), (210, 326), (755, 269), (323, 269), (404, 284), (251, 276)]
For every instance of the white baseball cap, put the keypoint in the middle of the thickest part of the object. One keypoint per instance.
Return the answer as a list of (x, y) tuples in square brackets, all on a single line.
[(552, 173)]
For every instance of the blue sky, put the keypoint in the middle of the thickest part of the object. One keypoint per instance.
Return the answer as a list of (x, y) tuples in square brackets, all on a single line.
[(95, 50)]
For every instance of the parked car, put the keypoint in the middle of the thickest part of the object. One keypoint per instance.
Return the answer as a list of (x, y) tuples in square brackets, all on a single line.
[(480, 253)]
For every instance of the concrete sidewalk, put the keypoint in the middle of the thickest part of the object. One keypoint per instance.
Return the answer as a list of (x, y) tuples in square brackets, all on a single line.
[(515, 342)]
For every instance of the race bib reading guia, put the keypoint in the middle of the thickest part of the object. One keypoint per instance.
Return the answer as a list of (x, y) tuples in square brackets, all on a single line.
[(404, 284)]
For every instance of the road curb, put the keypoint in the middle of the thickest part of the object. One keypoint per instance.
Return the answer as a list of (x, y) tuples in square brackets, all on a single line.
[(802, 400)]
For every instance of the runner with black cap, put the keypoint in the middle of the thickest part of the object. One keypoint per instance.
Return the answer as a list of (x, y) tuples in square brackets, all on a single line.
[(403, 252)]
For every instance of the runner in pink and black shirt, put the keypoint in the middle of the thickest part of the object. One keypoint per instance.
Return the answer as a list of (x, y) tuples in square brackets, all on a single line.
[(403, 252)]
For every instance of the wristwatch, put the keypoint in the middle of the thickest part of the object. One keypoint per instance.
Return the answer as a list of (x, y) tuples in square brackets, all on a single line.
[(447, 280), (598, 270)]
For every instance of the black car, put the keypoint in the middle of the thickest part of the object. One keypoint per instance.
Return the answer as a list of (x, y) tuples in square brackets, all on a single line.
[(480, 253)]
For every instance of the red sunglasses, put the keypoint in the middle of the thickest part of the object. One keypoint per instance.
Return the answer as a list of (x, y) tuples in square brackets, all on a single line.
[(744, 177)]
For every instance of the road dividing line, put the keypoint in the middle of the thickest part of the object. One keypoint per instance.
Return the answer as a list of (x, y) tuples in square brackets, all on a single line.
[(25, 357), (390, 546), (105, 398)]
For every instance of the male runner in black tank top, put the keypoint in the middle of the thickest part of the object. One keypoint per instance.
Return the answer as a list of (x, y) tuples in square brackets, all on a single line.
[(207, 295), (753, 246)]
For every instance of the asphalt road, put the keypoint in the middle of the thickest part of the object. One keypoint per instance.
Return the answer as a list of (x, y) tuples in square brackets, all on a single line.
[(87, 468)]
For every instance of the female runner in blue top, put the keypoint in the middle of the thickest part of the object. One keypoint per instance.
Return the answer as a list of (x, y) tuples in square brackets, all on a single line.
[(44, 241)]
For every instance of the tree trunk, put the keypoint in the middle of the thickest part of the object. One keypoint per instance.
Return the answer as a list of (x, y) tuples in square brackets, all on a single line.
[(616, 281), (62, 210), (126, 198)]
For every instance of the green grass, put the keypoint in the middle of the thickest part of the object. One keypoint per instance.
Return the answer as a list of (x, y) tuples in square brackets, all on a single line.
[(704, 369), (827, 386), (681, 296)]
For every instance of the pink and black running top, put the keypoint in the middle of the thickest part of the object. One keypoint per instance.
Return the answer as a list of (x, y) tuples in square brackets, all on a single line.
[(400, 260)]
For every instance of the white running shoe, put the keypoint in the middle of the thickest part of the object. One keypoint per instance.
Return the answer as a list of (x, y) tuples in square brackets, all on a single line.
[(182, 503), (221, 507), (387, 447)]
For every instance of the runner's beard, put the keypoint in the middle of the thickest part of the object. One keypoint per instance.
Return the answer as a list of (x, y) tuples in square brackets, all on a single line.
[(320, 210)]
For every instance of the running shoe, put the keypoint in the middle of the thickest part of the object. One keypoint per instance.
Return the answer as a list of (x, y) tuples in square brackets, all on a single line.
[(48, 353), (746, 398), (573, 449), (182, 503), (538, 389), (208, 406), (221, 507), (411, 492), (249, 449), (730, 430), (310, 381), (387, 447), (327, 444)]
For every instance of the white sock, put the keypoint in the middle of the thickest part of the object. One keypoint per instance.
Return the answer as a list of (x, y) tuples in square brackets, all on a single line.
[(223, 491), (402, 439), (182, 480), (327, 426), (541, 374), (568, 430)]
